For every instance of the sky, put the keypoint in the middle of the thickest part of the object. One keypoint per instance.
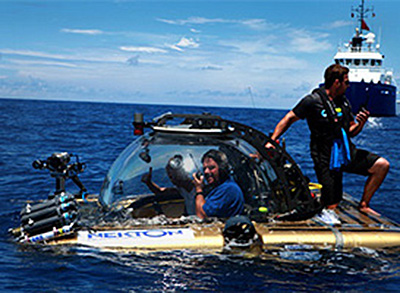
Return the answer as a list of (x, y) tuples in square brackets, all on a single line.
[(262, 54)]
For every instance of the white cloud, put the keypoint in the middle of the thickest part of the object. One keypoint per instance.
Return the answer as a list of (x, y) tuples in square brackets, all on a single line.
[(30, 53), (41, 62), (211, 67), (255, 24), (175, 47), (261, 45), (194, 20), (339, 23), (168, 21), (142, 49), (99, 56), (187, 43), (183, 44), (82, 31), (307, 42), (195, 31)]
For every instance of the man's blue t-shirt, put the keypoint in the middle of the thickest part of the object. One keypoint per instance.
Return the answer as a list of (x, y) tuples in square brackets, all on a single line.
[(226, 200)]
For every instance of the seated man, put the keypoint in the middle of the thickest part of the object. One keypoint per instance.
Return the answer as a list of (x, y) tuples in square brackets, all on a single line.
[(225, 198), (182, 181)]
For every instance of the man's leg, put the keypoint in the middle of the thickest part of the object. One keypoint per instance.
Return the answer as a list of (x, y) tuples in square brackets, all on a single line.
[(332, 188), (378, 173)]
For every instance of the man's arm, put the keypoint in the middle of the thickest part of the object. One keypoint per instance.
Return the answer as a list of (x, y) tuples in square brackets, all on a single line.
[(200, 200), (147, 179), (283, 125), (155, 188), (356, 127)]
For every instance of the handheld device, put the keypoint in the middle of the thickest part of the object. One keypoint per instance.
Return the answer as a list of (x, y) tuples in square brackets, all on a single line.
[(198, 170)]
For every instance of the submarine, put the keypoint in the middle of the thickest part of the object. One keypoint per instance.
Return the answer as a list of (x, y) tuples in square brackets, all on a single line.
[(282, 207)]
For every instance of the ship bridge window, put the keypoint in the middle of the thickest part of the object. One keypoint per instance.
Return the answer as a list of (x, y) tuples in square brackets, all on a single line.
[(348, 62), (378, 62), (356, 62), (339, 61), (372, 62), (365, 62)]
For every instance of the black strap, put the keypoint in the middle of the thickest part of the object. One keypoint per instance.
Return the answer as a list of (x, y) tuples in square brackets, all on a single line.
[(329, 108), (331, 114)]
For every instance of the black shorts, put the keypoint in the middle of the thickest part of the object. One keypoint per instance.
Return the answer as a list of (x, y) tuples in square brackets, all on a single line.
[(361, 162), (332, 186)]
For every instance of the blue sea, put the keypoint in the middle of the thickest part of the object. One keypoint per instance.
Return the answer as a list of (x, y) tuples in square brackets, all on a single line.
[(98, 132)]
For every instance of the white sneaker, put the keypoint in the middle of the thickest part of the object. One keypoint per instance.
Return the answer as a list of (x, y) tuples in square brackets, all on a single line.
[(328, 217)]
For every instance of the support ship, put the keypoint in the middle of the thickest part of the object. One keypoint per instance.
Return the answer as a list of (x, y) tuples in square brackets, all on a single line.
[(372, 86)]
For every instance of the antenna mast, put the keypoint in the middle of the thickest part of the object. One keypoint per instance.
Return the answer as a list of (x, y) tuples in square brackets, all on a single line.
[(361, 15), (251, 96), (362, 12)]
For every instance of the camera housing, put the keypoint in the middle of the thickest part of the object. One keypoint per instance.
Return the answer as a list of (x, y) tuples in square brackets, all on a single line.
[(61, 168)]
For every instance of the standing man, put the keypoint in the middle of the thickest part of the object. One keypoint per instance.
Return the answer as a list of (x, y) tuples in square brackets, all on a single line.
[(331, 122), (225, 198)]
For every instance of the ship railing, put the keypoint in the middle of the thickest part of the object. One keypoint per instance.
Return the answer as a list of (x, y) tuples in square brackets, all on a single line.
[(364, 49)]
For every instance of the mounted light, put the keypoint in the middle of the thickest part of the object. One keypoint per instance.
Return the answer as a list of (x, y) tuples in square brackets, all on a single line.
[(138, 124)]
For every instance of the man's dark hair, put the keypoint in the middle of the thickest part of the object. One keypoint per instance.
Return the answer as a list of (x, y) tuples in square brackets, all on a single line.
[(222, 161), (333, 72)]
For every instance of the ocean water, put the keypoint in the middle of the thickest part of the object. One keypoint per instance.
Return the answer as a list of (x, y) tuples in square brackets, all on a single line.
[(98, 132)]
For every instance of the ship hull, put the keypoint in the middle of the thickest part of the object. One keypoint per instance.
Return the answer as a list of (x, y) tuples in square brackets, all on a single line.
[(379, 99)]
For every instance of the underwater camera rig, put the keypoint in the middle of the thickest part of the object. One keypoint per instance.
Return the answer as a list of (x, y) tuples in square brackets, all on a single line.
[(46, 220), (58, 215), (60, 168)]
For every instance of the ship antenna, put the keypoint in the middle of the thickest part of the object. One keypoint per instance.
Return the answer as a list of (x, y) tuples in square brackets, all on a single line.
[(380, 36), (251, 96), (362, 15), (362, 12)]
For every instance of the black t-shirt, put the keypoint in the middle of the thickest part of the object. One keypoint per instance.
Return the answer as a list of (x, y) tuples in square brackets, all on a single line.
[(323, 130)]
